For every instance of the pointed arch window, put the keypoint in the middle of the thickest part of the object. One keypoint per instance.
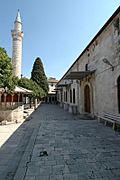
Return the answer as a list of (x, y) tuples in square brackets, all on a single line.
[(86, 67), (73, 95), (66, 96), (70, 96)]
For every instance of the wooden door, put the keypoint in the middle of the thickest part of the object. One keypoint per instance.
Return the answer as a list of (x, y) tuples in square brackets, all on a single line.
[(87, 99)]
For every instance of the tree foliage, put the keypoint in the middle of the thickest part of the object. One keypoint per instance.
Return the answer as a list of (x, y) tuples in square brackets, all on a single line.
[(38, 75), (38, 85), (6, 78), (31, 85)]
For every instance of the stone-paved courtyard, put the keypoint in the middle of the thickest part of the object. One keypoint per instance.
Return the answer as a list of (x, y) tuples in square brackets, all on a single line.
[(61, 146)]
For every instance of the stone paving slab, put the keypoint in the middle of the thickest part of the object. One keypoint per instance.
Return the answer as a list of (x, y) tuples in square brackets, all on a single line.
[(76, 149), (13, 149), (7, 130)]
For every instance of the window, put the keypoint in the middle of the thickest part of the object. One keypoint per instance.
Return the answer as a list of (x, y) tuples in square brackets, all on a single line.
[(66, 96), (86, 67), (70, 96), (74, 96), (2, 98)]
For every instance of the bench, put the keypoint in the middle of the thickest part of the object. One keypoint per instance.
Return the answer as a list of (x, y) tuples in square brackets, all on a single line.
[(111, 118)]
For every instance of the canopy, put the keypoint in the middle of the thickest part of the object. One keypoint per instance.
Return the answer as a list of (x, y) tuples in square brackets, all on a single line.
[(63, 85), (18, 89), (78, 74)]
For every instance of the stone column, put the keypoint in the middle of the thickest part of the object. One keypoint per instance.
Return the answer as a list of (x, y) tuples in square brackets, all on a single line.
[(0, 97), (18, 99), (48, 99), (35, 103), (22, 98), (5, 99)]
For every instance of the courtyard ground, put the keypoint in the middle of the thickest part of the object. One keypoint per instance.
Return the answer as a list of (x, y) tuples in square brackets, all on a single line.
[(56, 145)]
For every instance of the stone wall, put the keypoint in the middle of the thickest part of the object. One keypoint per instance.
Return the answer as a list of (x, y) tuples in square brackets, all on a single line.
[(12, 115), (102, 83)]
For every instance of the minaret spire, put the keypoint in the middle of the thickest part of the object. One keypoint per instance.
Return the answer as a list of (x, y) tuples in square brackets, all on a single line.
[(18, 22), (17, 36), (18, 17)]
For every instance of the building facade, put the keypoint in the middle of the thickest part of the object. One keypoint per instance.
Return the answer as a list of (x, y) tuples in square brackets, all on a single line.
[(92, 84), (52, 96)]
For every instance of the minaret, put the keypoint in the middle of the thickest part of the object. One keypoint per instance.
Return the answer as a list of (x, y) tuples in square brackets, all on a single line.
[(17, 36)]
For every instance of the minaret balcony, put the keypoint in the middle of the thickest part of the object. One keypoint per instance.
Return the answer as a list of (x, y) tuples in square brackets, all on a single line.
[(16, 34)]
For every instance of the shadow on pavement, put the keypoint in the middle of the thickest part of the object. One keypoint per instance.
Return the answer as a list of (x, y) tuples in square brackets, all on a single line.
[(13, 149)]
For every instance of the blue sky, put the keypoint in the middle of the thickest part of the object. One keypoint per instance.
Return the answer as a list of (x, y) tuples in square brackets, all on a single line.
[(57, 31)]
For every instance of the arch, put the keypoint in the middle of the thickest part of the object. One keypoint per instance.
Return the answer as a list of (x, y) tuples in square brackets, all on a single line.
[(21, 98), (50, 99), (70, 96), (87, 103), (15, 98), (53, 99), (2, 98), (73, 95), (118, 93), (66, 96), (86, 67), (8, 98)]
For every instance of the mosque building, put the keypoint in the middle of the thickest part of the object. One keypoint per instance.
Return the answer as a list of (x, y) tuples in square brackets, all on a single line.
[(92, 83)]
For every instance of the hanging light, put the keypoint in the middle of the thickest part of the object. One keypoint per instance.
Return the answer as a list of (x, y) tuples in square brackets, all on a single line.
[(107, 62)]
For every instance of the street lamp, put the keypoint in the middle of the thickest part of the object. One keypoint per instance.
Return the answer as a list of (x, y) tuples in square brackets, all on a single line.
[(107, 62)]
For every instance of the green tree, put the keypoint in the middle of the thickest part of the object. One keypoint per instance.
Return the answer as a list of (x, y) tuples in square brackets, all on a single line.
[(38, 75), (31, 85), (6, 78)]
